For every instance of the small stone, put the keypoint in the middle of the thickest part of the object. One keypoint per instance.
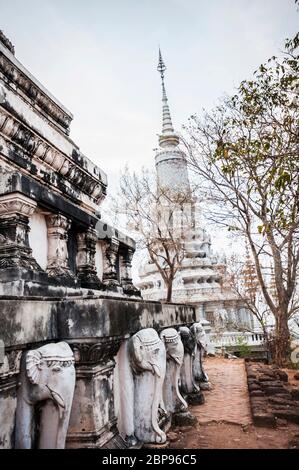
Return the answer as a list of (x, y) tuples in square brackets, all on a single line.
[(280, 401), (245, 428), (257, 393), (264, 419), (282, 375), (281, 423), (206, 386), (295, 393), (273, 390), (294, 442), (253, 387), (172, 436), (196, 398), (291, 415), (184, 419)]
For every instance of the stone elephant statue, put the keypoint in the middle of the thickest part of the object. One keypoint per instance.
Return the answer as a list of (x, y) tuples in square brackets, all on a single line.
[(148, 363), (188, 385), (45, 395), (174, 402), (201, 345)]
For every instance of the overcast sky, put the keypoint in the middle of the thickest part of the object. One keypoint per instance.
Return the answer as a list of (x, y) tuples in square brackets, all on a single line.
[(99, 58)]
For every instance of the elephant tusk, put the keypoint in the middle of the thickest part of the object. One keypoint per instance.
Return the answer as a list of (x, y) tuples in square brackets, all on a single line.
[(156, 370), (56, 398), (176, 359)]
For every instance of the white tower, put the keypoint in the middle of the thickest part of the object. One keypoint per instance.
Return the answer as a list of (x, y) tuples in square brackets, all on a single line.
[(171, 162)]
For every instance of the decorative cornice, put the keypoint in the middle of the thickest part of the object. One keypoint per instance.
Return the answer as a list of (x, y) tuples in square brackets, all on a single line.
[(38, 98), (39, 149), (16, 203), (7, 43), (94, 353)]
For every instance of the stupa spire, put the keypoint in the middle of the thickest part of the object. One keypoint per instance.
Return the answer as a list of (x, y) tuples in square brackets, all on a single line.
[(168, 138)]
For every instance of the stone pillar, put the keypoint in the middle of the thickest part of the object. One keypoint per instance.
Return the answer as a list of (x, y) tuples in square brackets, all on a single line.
[(110, 275), (86, 269), (15, 252), (58, 227), (93, 422), (126, 273)]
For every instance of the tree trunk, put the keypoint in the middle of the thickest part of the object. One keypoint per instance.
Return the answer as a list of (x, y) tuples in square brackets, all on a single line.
[(282, 337), (169, 292)]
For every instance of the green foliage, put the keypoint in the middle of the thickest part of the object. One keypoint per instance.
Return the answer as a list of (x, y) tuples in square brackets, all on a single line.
[(258, 131), (244, 349)]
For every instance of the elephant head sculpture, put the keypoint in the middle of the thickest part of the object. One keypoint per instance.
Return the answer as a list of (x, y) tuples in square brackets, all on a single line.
[(148, 362), (188, 384), (175, 355), (45, 397), (201, 346)]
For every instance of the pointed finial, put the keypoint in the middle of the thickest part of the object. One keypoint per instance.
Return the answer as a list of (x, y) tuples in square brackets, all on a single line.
[(161, 66), (168, 137)]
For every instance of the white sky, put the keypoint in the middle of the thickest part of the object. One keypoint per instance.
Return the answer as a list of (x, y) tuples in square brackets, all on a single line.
[(99, 58)]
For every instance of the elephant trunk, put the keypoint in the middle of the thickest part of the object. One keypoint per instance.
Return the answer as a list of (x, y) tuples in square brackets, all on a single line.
[(161, 437), (184, 405)]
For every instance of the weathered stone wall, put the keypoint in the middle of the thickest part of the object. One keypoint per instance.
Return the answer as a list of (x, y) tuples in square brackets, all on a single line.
[(94, 327)]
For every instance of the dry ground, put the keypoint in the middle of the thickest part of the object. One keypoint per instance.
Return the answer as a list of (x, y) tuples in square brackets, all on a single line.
[(225, 419)]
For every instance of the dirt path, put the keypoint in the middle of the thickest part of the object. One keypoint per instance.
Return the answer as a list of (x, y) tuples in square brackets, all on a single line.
[(229, 400), (225, 419)]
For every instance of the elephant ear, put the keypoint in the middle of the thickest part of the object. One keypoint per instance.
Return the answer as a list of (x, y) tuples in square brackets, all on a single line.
[(33, 362), (137, 349)]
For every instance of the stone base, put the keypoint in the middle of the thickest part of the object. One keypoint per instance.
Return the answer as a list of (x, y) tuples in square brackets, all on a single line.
[(197, 398), (184, 418), (90, 282), (112, 286), (130, 289), (117, 442), (165, 421), (206, 386), (25, 282)]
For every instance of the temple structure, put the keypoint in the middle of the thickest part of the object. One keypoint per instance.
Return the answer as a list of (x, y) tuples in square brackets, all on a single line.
[(84, 361), (202, 278)]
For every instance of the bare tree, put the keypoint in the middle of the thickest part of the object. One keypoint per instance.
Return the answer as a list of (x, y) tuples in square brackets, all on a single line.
[(245, 154), (159, 218)]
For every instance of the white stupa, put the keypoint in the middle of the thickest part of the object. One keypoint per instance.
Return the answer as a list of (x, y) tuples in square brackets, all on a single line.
[(202, 279)]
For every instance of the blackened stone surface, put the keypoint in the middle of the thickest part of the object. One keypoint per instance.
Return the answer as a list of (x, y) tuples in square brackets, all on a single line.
[(44, 319)]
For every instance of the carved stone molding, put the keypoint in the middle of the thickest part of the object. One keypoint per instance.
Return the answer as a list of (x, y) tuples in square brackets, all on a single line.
[(16, 203), (10, 369), (42, 151), (15, 210), (100, 352), (7, 43), (58, 227), (86, 269), (41, 100), (110, 274)]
